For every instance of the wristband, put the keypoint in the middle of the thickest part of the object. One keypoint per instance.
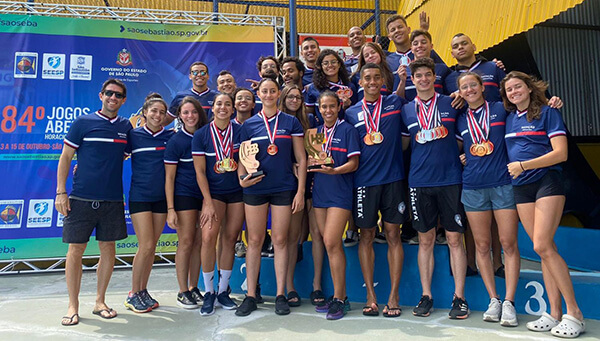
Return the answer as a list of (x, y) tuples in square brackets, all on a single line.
[(170, 208), (61, 193), (521, 164)]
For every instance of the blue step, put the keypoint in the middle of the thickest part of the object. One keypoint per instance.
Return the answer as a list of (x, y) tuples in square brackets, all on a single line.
[(530, 297)]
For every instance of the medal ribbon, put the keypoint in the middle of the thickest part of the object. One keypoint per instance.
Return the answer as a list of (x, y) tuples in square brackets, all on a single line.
[(372, 120), (427, 116), (337, 85), (329, 132), (479, 130), (471, 68), (223, 142), (270, 135)]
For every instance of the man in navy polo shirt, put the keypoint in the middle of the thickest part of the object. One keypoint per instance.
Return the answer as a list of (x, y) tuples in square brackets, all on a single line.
[(200, 91), (309, 50), (96, 201)]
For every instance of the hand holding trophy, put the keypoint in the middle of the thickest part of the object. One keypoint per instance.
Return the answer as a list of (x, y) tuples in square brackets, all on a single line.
[(248, 151), (313, 142)]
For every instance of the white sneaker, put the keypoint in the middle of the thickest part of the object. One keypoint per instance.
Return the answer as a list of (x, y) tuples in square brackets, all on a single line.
[(494, 310), (509, 315)]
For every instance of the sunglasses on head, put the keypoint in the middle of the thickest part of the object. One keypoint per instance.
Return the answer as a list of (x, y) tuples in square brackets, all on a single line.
[(110, 93), (201, 73)]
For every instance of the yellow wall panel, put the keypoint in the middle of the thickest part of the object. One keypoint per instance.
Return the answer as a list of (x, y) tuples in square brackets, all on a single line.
[(487, 22)]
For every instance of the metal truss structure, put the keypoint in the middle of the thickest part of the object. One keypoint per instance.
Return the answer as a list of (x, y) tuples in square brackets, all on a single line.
[(157, 16), (47, 265)]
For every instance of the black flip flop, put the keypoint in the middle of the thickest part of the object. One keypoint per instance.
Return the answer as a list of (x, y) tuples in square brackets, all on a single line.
[(371, 311), (387, 310), (317, 297), (109, 311), (70, 318), (294, 295)]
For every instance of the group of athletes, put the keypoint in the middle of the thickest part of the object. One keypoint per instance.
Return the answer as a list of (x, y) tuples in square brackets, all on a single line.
[(475, 141)]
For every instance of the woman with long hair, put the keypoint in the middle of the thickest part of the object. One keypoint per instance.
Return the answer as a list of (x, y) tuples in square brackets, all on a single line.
[(278, 136), (372, 53), (214, 149), (147, 203), (291, 102), (330, 74), (184, 201), (536, 142)]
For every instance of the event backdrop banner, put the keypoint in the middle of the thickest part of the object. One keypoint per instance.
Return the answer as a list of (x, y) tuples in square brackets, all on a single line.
[(51, 71)]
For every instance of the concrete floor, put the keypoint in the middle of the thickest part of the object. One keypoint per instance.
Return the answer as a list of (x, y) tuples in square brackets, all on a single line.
[(31, 307)]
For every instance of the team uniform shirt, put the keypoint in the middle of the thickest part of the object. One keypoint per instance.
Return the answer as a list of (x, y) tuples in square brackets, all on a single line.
[(279, 175), (311, 97), (204, 145), (350, 62), (361, 91), (308, 76), (489, 72), (206, 98), (100, 143), (410, 90), (383, 163), (179, 153), (257, 102), (435, 163), (490, 170), (336, 190), (394, 58), (528, 140), (147, 151)]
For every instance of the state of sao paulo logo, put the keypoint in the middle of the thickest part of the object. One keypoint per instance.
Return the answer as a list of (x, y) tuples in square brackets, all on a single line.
[(124, 58)]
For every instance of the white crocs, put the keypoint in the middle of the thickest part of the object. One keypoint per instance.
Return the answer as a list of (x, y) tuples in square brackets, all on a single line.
[(569, 327), (543, 324)]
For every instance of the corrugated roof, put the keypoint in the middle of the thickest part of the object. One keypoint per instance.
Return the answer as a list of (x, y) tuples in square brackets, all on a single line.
[(487, 22)]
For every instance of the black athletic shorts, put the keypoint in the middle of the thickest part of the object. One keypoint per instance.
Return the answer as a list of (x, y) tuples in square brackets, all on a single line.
[(387, 198), (148, 206), (550, 184), (429, 203), (229, 198), (185, 203), (284, 198), (107, 217)]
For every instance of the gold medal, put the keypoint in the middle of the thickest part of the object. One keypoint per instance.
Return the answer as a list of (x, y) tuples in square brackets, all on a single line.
[(490, 147), (480, 150), (227, 164), (368, 139), (472, 150), (217, 168), (376, 137), (272, 149)]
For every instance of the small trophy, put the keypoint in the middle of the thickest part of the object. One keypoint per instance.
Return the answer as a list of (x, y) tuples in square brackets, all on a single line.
[(313, 141), (248, 151)]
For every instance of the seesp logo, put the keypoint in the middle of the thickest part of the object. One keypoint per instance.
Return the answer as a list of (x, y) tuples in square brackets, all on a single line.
[(11, 212), (54, 66), (26, 65), (40, 213)]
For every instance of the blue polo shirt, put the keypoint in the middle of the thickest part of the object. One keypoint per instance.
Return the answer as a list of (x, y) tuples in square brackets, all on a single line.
[(490, 74), (179, 153), (279, 175), (206, 98), (147, 151), (528, 140), (203, 145), (336, 190), (100, 143), (490, 170), (381, 163), (435, 163), (311, 97), (307, 78)]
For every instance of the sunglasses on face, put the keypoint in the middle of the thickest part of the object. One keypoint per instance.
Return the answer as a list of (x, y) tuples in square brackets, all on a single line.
[(110, 93), (199, 73)]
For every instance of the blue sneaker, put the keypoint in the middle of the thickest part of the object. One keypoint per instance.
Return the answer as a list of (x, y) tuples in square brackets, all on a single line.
[(135, 303), (324, 306), (149, 300), (208, 308), (337, 310), (225, 301)]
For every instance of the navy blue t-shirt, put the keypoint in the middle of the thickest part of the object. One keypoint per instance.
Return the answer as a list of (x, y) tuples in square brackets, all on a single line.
[(147, 151), (435, 163), (490, 74), (100, 143), (179, 153), (311, 98), (490, 170), (206, 98), (528, 140)]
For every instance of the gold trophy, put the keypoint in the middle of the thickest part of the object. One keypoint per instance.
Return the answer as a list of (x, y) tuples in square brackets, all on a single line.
[(248, 151), (313, 141)]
